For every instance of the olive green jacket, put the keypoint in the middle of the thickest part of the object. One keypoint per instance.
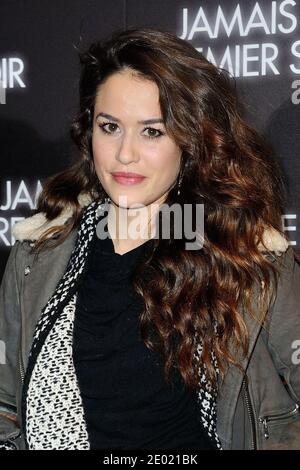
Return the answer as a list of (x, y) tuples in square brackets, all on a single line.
[(257, 410)]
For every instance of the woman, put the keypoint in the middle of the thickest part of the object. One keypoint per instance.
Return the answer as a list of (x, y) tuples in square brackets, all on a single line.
[(138, 342)]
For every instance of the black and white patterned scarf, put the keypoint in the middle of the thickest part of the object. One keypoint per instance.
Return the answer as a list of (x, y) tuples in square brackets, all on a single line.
[(52, 409)]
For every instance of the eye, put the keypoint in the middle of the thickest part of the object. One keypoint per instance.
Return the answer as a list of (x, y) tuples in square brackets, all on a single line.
[(102, 127), (160, 133)]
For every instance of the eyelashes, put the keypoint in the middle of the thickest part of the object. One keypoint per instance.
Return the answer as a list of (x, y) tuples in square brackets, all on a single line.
[(158, 132)]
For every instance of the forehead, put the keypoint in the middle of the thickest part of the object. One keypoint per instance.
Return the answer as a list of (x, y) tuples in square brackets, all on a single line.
[(124, 90)]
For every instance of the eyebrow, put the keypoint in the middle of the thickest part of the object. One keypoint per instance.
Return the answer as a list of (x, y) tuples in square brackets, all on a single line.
[(147, 121)]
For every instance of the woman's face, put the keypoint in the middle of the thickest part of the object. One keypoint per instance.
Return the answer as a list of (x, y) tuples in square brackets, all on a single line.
[(122, 143)]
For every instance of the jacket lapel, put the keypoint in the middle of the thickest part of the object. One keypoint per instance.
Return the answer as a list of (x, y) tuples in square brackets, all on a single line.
[(43, 275), (231, 386), (64, 291)]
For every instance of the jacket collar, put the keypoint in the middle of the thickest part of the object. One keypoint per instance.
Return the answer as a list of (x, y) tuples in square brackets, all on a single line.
[(32, 227)]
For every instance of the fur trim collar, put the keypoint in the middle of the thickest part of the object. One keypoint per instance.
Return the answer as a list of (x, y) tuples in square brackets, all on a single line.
[(32, 227)]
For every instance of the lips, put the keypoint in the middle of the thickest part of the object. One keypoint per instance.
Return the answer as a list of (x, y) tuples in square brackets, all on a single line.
[(127, 174), (127, 178)]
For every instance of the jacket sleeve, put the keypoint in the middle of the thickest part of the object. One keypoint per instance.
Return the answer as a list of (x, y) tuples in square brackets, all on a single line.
[(9, 345), (284, 332)]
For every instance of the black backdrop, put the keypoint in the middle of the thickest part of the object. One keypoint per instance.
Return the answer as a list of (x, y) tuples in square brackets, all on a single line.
[(258, 42)]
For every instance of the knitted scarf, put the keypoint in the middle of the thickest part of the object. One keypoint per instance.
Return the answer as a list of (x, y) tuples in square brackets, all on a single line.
[(52, 409)]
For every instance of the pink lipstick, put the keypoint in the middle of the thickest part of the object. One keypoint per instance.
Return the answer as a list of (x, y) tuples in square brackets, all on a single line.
[(127, 178)]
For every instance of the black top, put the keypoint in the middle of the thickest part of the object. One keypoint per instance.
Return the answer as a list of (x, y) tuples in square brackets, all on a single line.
[(127, 402)]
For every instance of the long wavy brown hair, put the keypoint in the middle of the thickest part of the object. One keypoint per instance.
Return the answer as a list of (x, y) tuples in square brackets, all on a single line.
[(227, 166)]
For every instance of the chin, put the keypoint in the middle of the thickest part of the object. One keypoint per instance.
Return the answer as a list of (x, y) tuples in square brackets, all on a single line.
[(125, 202)]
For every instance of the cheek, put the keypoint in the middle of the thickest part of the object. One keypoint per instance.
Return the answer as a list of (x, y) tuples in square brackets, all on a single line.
[(101, 151), (95, 147), (166, 162)]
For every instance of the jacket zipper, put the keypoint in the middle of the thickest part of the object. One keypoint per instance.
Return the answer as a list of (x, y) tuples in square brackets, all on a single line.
[(250, 413), (264, 420), (21, 366), (18, 433), (10, 442)]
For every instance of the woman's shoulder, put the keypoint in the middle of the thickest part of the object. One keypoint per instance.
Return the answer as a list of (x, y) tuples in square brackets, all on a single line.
[(31, 228)]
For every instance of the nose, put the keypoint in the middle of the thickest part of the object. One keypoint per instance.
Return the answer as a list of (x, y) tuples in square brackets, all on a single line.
[(128, 150)]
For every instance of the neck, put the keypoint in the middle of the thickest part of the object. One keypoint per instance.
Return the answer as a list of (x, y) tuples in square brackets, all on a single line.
[(129, 228)]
